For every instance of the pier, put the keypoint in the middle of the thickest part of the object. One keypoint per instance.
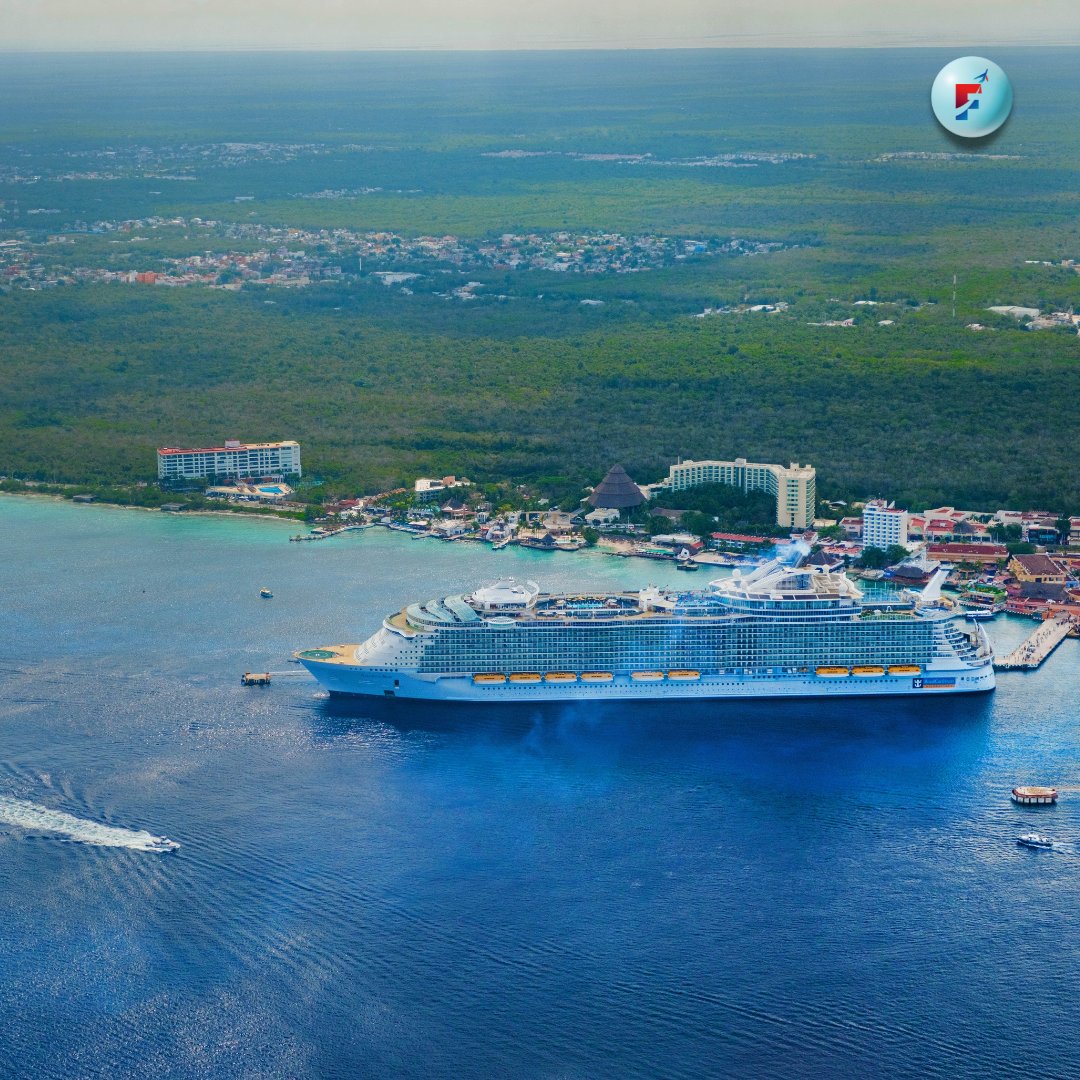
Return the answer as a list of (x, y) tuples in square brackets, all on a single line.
[(1042, 641)]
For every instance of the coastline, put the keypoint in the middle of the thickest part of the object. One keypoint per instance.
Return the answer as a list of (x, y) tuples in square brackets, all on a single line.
[(251, 516)]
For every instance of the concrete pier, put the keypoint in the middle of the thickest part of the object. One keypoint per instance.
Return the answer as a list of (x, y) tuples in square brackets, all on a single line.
[(1042, 641)]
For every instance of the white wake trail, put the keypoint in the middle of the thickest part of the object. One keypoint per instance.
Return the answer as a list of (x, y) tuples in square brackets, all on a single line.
[(30, 816)]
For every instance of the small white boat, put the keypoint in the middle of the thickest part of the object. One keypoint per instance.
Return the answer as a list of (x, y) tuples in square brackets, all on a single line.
[(266, 594), (979, 614), (1035, 840), (164, 844)]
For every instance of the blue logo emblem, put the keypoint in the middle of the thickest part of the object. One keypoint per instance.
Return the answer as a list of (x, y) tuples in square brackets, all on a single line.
[(971, 96)]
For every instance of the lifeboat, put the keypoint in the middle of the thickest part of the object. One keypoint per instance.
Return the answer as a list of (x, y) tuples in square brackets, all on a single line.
[(646, 676), (867, 671), (596, 676), (904, 669), (560, 676), (525, 677), (833, 672), (684, 676), (488, 679)]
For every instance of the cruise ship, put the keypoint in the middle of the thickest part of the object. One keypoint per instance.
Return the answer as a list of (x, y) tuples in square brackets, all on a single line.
[(776, 632)]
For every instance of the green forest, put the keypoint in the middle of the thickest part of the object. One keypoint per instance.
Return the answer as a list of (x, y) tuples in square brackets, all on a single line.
[(93, 380), (526, 382)]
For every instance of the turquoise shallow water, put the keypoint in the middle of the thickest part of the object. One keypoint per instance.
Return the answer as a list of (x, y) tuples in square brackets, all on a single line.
[(801, 889)]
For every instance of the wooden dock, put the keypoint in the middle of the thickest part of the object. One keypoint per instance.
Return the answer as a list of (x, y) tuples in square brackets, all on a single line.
[(1042, 641)]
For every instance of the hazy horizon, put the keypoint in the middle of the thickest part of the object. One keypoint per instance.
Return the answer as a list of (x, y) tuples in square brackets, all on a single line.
[(512, 25)]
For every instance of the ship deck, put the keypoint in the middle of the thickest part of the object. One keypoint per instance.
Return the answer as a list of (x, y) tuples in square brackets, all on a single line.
[(330, 654)]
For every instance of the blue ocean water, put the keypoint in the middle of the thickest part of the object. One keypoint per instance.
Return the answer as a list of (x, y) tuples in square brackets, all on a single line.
[(795, 889)]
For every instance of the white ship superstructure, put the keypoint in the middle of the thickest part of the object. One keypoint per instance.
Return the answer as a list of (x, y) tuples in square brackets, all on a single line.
[(775, 632)]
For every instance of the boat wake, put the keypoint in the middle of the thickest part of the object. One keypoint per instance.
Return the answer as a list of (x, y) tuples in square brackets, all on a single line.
[(34, 818)]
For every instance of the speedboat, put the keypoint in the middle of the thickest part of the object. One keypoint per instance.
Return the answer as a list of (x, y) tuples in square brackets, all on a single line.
[(1035, 840), (164, 844), (266, 594)]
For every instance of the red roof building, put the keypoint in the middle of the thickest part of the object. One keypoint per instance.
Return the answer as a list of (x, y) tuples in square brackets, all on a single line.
[(980, 553)]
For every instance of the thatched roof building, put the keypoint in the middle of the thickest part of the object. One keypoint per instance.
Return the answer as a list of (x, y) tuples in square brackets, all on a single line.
[(616, 491)]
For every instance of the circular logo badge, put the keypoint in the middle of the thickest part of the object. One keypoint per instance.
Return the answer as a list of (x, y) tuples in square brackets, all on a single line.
[(971, 96)]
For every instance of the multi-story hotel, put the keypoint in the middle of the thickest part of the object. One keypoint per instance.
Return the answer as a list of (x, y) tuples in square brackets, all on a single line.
[(233, 459), (794, 488), (883, 526)]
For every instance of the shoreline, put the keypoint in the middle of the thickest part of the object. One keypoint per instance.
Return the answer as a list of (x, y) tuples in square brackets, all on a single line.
[(152, 509)]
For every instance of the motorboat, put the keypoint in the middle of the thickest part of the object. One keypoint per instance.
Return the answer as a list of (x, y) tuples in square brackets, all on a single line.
[(266, 594), (1035, 840)]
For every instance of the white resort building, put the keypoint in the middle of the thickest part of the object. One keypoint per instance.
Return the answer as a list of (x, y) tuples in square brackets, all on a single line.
[(883, 525), (794, 487), (233, 459)]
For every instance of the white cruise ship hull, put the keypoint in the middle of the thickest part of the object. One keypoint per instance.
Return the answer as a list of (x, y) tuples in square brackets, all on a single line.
[(358, 681), (776, 633)]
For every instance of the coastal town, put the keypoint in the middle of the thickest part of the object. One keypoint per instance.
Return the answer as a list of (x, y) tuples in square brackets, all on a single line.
[(1020, 561), (1023, 562)]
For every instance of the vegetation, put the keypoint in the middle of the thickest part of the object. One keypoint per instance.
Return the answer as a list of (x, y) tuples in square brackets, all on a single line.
[(874, 558), (526, 382), (721, 508), (148, 497)]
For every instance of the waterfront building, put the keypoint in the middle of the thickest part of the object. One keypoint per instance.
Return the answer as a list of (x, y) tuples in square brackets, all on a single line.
[(794, 487), (233, 459), (267, 493), (736, 540), (987, 554), (915, 570), (601, 517), (1037, 569), (616, 491), (883, 526)]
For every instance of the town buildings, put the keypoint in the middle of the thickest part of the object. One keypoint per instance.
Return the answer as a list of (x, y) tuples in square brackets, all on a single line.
[(427, 486), (883, 526), (233, 459), (794, 487), (986, 554), (1037, 569)]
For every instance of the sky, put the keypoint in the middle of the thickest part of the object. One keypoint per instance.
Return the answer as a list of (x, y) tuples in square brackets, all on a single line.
[(46, 25)]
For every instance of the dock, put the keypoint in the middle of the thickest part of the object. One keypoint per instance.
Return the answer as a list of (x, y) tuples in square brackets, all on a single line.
[(325, 534), (1042, 641)]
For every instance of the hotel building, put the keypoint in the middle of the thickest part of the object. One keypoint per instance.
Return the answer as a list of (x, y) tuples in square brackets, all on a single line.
[(233, 459), (794, 488), (883, 525)]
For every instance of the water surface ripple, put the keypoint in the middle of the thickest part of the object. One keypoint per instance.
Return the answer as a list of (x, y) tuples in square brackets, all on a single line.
[(797, 888)]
